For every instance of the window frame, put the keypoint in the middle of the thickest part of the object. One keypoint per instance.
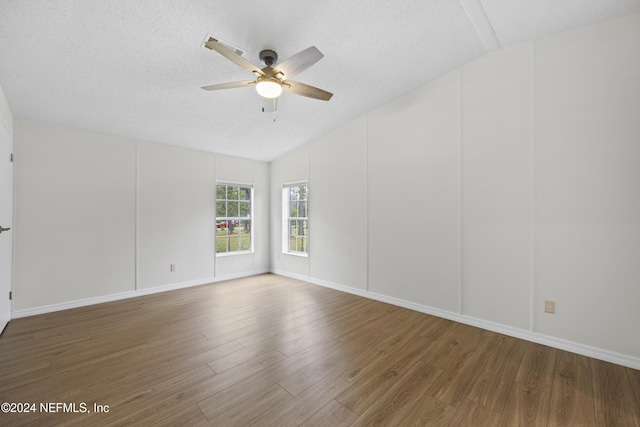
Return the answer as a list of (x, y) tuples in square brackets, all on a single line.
[(234, 218), (286, 192)]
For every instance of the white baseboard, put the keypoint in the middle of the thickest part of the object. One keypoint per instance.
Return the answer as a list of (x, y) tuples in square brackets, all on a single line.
[(130, 294), (559, 343), (574, 347)]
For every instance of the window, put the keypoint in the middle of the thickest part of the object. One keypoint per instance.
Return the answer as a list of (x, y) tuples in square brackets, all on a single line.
[(295, 236), (233, 218)]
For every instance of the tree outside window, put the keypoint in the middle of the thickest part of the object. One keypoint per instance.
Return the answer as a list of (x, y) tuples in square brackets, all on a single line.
[(233, 218), (296, 239)]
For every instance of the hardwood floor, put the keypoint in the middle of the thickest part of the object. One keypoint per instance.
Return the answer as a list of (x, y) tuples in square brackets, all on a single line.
[(272, 351)]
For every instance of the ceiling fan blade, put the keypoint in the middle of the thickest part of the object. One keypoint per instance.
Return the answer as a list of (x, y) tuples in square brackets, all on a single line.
[(213, 44), (269, 105), (305, 90), (298, 63), (229, 85)]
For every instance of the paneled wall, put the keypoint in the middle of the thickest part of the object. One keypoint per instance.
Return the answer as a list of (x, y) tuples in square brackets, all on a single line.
[(338, 177), (587, 187), (174, 215), (236, 170), (511, 180), (414, 203), (497, 187), (293, 167), (101, 217), (75, 205)]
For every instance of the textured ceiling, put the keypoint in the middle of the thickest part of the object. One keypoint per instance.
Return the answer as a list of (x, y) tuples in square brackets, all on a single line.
[(135, 68)]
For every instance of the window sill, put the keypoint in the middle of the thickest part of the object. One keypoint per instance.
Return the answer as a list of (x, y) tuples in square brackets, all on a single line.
[(226, 254), (298, 254)]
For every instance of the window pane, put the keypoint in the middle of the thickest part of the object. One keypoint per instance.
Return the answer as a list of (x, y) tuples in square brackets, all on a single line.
[(221, 209), (232, 203), (221, 192), (245, 193), (298, 236), (298, 244), (244, 226), (293, 227), (244, 232), (245, 209), (232, 193), (232, 208), (293, 193), (296, 233), (221, 244), (234, 243), (296, 228)]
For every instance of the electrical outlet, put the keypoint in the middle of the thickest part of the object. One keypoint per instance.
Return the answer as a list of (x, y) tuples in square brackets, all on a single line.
[(173, 267), (550, 307)]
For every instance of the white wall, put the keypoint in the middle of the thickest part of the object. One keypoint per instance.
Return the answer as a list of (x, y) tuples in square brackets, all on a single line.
[(414, 184), (74, 215), (587, 168), (338, 184), (235, 170), (100, 217), (496, 187), (5, 112), (292, 167), (511, 180), (176, 204)]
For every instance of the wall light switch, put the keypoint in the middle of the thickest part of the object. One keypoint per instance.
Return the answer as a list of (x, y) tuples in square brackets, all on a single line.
[(173, 267)]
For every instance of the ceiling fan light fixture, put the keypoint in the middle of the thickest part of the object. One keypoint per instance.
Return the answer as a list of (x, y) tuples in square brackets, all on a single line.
[(269, 88)]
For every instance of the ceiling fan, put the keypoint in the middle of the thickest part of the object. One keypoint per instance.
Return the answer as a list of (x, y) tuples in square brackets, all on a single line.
[(273, 79)]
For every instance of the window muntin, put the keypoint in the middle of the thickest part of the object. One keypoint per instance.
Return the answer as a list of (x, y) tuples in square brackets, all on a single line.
[(296, 214), (233, 218)]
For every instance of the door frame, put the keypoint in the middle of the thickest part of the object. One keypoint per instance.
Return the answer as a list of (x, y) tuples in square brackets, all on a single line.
[(6, 160)]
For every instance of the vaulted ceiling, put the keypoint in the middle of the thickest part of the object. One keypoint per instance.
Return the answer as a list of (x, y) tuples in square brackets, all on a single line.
[(135, 68)]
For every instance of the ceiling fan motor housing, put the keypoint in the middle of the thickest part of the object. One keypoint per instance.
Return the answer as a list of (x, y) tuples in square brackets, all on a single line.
[(268, 57)]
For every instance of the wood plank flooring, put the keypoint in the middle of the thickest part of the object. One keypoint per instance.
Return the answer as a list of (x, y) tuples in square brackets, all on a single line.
[(272, 351)]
